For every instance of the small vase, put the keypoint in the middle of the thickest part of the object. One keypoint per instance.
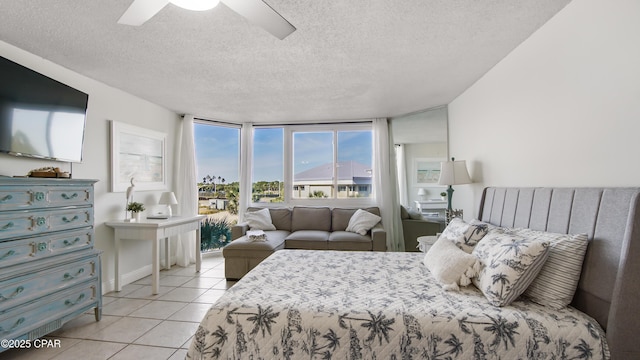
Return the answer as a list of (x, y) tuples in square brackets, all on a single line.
[(136, 216)]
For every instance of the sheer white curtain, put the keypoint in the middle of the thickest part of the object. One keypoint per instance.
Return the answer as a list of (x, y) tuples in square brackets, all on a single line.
[(246, 134), (385, 184), (186, 190), (401, 169)]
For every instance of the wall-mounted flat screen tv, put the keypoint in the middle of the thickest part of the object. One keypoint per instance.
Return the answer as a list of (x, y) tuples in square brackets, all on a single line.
[(39, 116)]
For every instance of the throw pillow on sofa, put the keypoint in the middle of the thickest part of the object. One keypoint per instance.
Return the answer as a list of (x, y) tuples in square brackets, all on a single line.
[(259, 220), (362, 221)]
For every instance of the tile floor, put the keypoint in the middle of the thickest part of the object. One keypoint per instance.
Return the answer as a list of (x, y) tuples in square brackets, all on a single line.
[(138, 325)]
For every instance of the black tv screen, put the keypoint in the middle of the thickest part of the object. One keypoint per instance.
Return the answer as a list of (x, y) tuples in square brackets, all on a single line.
[(39, 116)]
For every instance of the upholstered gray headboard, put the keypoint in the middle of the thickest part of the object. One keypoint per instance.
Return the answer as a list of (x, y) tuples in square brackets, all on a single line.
[(609, 288)]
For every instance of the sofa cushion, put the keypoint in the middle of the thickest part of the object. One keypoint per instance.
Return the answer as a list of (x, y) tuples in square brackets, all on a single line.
[(242, 247), (311, 218), (280, 217), (340, 217), (346, 240), (307, 239)]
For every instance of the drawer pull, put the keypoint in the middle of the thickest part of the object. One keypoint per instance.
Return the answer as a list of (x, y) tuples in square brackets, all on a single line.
[(69, 243), (39, 196), (18, 290), (9, 253), (6, 198), (67, 197), (40, 221), (41, 246), (71, 303), (18, 323), (8, 226), (68, 276), (67, 220)]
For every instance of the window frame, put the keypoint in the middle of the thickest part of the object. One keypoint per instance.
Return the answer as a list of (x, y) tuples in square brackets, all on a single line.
[(288, 165)]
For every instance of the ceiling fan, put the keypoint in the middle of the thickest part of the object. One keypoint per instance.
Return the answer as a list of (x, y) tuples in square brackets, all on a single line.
[(256, 11)]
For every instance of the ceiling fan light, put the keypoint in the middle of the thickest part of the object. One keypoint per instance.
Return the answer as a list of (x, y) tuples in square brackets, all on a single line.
[(195, 5)]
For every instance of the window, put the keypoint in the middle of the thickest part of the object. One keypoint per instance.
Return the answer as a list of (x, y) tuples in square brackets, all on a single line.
[(218, 160), (311, 162), (268, 165)]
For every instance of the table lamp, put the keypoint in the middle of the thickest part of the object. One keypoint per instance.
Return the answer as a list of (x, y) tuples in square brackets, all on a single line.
[(168, 198), (453, 173), (421, 193)]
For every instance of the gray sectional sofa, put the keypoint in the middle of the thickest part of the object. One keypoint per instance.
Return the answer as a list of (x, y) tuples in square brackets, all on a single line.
[(314, 228)]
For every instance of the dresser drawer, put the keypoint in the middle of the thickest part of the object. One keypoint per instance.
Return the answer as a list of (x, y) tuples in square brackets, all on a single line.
[(25, 250), (32, 284), (31, 197), (22, 223), (17, 322)]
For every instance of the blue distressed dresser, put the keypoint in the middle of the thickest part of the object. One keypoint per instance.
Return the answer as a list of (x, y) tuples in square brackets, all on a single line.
[(49, 270)]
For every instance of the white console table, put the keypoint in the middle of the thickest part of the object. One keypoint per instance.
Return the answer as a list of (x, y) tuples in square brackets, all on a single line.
[(154, 230), (432, 209)]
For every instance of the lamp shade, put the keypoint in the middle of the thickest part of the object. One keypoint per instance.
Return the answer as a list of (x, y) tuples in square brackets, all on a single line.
[(422, 192), (168, 198), (454, 172)]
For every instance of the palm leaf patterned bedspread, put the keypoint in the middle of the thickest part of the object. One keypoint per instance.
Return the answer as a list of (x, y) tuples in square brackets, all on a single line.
[(304, 304)]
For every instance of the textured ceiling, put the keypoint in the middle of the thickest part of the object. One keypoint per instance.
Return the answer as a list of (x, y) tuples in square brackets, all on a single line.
[(349, 59)]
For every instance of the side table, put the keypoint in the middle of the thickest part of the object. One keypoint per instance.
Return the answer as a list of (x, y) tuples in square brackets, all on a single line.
[(154, 231), (425, 242)]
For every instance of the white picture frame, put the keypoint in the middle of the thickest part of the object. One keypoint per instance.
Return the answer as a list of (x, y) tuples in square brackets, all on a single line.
[(140, 154), (426, 171)]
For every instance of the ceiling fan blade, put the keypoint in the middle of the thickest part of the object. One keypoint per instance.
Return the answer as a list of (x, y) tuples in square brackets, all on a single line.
[(261, 14), (140, 11)]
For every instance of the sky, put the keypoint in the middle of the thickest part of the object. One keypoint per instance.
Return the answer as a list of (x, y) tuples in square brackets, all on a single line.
[(218, 149)]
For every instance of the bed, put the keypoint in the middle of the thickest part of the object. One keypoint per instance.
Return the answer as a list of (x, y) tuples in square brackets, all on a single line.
[(354, 305)]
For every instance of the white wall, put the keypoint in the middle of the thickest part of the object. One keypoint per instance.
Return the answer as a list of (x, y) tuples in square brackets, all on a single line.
[(105, 103), (563, 109)]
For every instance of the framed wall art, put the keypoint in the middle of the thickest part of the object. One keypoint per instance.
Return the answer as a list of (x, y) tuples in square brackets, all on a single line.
[(138, 154), (426, 171)]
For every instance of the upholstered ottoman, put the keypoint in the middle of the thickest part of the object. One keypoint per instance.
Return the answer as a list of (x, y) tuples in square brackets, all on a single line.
[(242, 255)]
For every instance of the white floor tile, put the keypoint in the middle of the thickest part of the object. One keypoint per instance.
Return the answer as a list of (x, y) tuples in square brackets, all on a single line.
[(193, 312), (169, 334), (125, 290), (125, 330), (90, 350), (183, 294), (145, 292), (83, 326), (202, 282), (159, 309), (142, 352), (210, 296), (180, 354), (123, 307)]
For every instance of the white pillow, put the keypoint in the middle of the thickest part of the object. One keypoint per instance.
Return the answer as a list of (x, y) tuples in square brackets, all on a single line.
[(259, 220), (556, 283), (450, 265), (362, 221), (464, 235), (510, 263)]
